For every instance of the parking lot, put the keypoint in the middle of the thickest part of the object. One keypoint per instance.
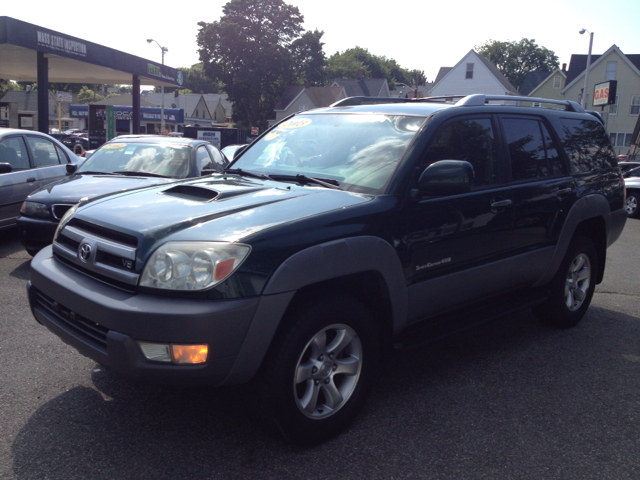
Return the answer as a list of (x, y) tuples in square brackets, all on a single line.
[(508, 400)]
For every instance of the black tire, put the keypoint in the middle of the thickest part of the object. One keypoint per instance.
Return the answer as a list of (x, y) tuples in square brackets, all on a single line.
[(78, 149), (572, 288), (632, 204), (312, 385)]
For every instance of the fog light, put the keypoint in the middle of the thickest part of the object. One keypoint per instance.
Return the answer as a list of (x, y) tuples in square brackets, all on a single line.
[(189, 353), (158, 352)]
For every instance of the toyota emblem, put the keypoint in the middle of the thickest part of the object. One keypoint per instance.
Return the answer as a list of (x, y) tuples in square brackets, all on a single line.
[(84, 252)]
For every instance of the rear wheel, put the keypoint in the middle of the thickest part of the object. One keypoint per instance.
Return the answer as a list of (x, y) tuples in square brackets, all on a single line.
[(78, 149), (314, 379), (632, 204), (572, 288)]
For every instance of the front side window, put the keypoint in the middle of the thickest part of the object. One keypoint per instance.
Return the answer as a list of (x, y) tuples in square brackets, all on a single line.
[(44, 152), (203, 159), (357, 152), (471, 140), (14, 152), (531, 149)]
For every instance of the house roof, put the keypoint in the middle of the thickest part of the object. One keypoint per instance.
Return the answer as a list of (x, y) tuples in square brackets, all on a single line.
[(28, 101), (125, 99), (212, 100), (320, 96), (532, 80), (442, 73), (578, 64), (188, 101), (363, 87)]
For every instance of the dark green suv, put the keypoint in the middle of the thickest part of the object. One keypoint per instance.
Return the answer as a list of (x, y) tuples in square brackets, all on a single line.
[(338, 235)]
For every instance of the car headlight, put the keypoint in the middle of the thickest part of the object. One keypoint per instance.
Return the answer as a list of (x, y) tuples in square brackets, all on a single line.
[(35, 209), (65, 219), (192, 265)]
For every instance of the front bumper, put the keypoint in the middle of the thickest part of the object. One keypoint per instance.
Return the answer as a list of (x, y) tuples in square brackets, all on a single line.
[(105, 323), (36, 233)]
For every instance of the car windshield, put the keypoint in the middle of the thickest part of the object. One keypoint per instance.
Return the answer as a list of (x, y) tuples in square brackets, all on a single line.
[(152, 159), (357, 152)]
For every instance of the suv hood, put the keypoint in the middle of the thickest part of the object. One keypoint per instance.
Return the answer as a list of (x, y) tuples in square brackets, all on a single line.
[(216, 208), (71, 189)]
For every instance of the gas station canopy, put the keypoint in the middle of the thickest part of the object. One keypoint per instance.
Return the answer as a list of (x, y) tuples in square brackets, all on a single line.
[(29, 53)]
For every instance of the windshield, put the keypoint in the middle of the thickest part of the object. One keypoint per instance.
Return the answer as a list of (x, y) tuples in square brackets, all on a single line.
[(358, 152), (150, 158)]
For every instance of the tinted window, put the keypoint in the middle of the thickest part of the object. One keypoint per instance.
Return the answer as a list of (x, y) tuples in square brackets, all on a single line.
[(531, 149), (471, 140), (587, 145), (44, 152), (217, 156), (14, 152)]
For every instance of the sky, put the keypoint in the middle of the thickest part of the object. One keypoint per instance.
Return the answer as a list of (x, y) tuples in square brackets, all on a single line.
[(419, 35)]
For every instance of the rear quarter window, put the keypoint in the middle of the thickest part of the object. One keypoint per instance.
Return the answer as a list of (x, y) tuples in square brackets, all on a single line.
[(587, 145)]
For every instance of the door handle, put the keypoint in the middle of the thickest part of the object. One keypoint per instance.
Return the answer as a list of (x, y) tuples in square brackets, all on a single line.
[(501, 203), (31, 179), (563, 192)]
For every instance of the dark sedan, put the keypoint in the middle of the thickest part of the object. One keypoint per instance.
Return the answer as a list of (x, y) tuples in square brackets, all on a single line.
[(124, 163)]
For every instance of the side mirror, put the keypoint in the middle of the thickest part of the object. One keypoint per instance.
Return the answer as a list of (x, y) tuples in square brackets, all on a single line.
[(446, 177), (71, 168), (5, 168)]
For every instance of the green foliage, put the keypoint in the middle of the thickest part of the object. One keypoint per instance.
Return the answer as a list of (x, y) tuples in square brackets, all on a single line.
[(87, 95), (308, 59), (353, 60), (249, 51), (196, 80), (6, 85), (516, 59)]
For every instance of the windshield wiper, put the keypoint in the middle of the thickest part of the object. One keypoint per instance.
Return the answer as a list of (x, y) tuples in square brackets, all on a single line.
[(248, 173), (129, 173), (305, 179), (91, 172)]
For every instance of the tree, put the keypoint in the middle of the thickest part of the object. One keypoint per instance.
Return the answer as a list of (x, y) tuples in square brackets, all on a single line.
[(6, 85), (352, 61), (249, 50), (87, 95), (309, 60), (516, 59)]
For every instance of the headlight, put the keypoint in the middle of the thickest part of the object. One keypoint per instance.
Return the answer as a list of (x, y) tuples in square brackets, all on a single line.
[(35, 209), (65, 218), (192, 265)]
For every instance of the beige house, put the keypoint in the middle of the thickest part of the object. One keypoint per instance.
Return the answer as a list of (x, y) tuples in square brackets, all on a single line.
[(620, 118)]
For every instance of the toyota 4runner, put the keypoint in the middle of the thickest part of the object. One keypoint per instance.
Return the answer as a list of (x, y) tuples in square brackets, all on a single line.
[(339, 234)]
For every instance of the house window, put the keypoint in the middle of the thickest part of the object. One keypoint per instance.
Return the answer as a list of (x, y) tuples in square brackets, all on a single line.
[(635, 105), (469, 70), (613, 108), (537, 104), (196, 113), (302, 107), (612, 67), (620, 139), (556, 82)]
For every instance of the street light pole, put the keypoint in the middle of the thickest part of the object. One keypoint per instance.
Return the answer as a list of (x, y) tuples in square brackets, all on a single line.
[(164, 49), (586, 73)]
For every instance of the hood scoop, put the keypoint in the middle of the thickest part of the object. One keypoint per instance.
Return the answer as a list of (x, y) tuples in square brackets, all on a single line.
[(198, 193), (192, 192)]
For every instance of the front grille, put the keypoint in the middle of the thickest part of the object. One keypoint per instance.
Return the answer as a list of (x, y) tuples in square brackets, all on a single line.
[(106, 255), (92, 333)]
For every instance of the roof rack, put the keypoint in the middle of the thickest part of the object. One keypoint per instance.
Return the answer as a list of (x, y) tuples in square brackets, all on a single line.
[(474, 100)]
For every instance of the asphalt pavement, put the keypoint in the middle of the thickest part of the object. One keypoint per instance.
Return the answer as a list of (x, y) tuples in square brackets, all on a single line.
[(507, 400)]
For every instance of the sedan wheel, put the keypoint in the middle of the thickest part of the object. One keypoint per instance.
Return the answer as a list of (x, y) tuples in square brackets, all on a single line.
[(632, 204)]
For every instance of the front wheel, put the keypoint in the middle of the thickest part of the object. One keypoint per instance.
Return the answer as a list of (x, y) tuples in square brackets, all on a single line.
[(572, 288), (314, 379), (632, 204)]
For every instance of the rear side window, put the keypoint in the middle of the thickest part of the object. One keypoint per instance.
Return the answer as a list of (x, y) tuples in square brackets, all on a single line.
[(531, 149), (44, 152), (587, 145), (471, 140)]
